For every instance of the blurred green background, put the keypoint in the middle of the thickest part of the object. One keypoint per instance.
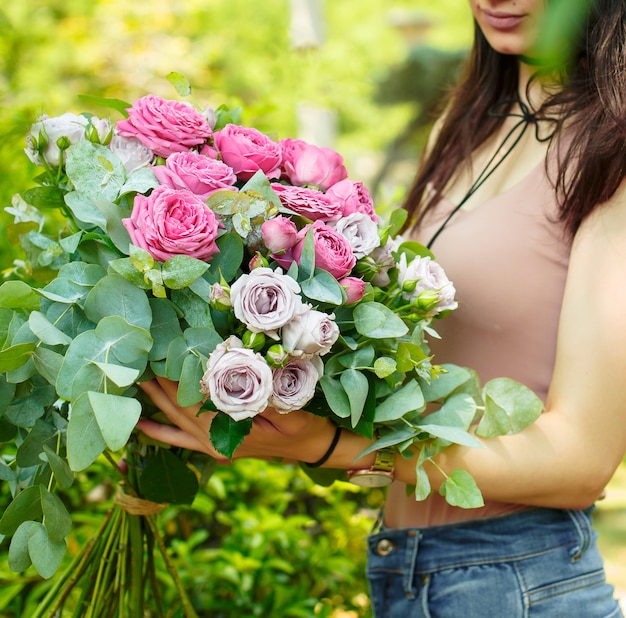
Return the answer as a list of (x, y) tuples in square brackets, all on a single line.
[(362, 76)]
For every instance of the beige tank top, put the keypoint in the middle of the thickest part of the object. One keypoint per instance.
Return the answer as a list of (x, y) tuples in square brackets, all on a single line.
[(507, 258)]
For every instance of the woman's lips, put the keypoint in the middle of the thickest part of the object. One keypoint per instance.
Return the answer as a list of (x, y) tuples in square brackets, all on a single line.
[(502, 21)]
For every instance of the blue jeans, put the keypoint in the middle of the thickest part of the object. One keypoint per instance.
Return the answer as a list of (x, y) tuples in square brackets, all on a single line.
[(535, 563)]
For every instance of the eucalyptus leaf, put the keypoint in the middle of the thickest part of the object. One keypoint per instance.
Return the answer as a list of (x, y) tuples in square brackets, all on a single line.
[(356, 386), (196, 310), (116, 417), (85, 210), (18, 295), (457, 411), (57, 520), (460, 489), (15, 356), (118, 374), (19, 558), (62, 473), (363, 357), (193, 369), (323, 287), (45, 553), (165, 327), (446, 383), (422, 486), (127, 341), (376, 321), (406, 399), (25, 506), (509, 407), (324, 477), (180, 83), (42, 433), (451, 434), (227, 434), (394, 437), (336, 396), (140, 181), (384, 366), (307, 257), (84, 438), (46, 331), (181, 271)]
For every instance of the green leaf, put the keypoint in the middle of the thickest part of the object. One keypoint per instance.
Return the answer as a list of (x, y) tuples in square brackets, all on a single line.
[(165, 478), (116, 104), (45, 553), (336, 396), (16, 356), (94, 170), (57, 520), (414, 249), (180, 83), (394, 437), (189, 393), (363, 357), (28, 452), (62, 473), (307, 258), (323, 287), (197, 341), (227, 434), (422, 486), (406, 399), (397, 219), (460, 489), (116, 417), (384, 366), (457, 411), (408, 356), (451, 434), (181, 271), (118, 374), (509, 407), (356, 386), (447, 383), (140, 258), (165, 327), (46, 331), (70, 243), (84, 438), (85, 210), (323, 476), (376, 321), (113, 295), (18, 295), (128, 342), (140, 181), (24, 507), (125, 268), (19, 558), (44, 197), (196, 310)]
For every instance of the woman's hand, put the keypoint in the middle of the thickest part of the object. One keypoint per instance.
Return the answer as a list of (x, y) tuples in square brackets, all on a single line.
[(296, 436)]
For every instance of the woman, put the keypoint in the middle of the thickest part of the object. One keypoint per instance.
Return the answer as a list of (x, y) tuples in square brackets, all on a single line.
[(536, 246)]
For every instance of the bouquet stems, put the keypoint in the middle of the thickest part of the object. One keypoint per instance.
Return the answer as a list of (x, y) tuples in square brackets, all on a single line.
[(114, 575)]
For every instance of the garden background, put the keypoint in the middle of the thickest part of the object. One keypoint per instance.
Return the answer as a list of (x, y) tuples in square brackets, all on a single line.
[(360, 76)]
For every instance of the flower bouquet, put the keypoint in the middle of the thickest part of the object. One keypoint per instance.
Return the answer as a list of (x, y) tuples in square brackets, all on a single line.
[(252, 272)]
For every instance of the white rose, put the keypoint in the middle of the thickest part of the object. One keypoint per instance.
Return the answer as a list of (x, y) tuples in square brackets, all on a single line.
[(311, 332), (294, 384), (238, 380), (360, 232), (42, 140), (131, 152), (427, 276), (383, 261), (265, 300)]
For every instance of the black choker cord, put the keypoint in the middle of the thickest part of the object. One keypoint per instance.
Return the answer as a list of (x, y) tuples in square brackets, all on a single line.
[(526, 119)]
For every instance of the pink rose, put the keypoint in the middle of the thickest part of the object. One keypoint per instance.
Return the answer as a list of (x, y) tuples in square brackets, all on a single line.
[(354, 287), (279, 234), (265, 300), (332, 250), (306, 164), (294, 384), (353, 197), (309, 203), (247, 151), (237, 379), (165, 126), (196, 173), (170, 222)]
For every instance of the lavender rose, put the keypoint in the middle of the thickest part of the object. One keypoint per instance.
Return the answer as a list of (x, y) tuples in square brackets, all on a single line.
[(237, 379), (195, 172), (165, 126), (354, 197), (170, 222), (309, 333), (265, 300), (309, 203), (306, 164), (294, 384), (131, 152), (425, 275), (332, 250), (360, 231), (44, 134), (247, 151)]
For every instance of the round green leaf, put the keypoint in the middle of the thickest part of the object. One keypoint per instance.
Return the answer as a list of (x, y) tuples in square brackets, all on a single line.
[(406, 399), (460, 489), (165, 478), (26, 506), (376, 321), (84, 438), (45, 553), (57, 520), (116, 417), (19, 558), (181, 271)]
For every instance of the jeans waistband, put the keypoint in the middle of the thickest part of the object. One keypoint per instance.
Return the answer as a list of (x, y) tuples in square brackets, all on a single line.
[(501, 538)]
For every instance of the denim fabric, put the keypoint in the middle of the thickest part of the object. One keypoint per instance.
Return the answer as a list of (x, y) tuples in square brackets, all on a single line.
[(536, 563)]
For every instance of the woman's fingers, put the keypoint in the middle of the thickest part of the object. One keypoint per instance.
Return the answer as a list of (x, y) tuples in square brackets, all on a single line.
[(171, 435)]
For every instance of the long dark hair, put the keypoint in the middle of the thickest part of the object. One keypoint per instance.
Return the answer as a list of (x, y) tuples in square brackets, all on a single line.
[(591, 104)]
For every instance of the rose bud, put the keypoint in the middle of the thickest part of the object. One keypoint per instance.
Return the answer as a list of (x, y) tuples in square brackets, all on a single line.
[(254, 341), (219, 297), (277, 356), (258, 261), (354, 287)]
